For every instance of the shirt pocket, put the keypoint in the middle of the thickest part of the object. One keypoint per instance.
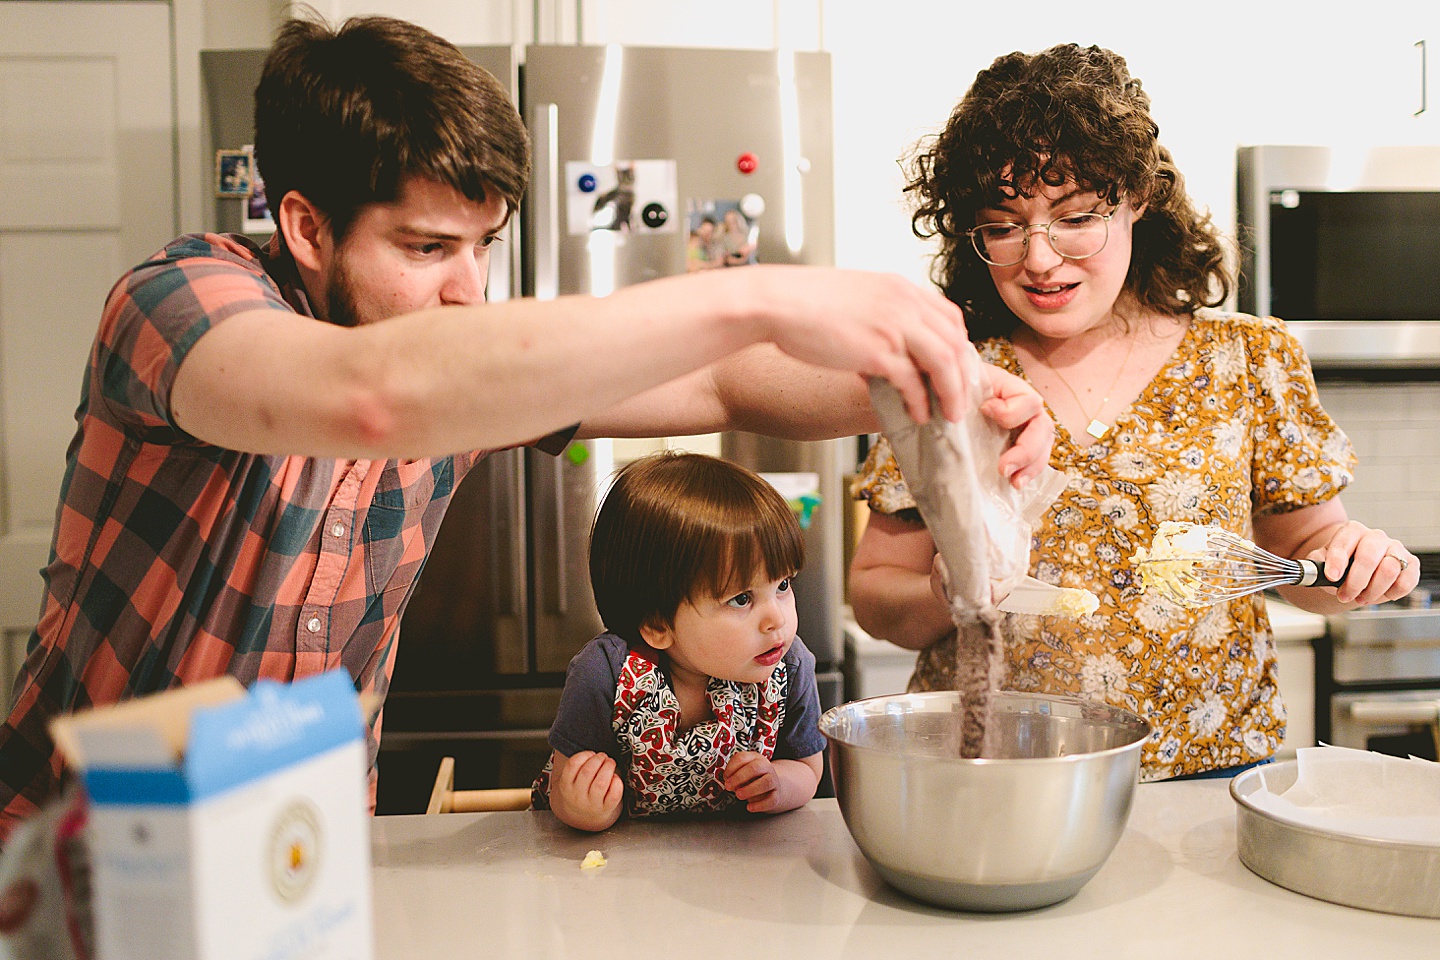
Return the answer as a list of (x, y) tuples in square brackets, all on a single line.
[(403, 496), (405, 484)]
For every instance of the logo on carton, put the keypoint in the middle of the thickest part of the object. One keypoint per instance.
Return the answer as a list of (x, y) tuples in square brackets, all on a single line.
[(278, 724), (294, 852)]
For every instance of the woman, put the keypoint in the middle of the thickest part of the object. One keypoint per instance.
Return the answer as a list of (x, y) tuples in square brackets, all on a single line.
[(1066, 234), (736, 241)]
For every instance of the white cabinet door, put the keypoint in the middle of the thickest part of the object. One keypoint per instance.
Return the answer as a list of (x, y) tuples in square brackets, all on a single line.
[(1390, 84), (87, 189), (1297, 692)]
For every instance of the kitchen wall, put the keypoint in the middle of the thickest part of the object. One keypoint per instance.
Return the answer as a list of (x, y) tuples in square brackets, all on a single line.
[(1396, 432)]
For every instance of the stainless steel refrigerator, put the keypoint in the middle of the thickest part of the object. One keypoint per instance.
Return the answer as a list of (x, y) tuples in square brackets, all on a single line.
[(635, 149)]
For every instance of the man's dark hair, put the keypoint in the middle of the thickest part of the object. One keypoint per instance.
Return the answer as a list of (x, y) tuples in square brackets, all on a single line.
[(346, 115)]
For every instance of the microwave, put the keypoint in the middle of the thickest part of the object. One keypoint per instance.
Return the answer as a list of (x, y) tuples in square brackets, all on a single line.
[(1344, 245)]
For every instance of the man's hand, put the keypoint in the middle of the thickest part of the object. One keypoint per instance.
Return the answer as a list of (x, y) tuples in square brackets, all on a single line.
[(585, 791), (877, 325)]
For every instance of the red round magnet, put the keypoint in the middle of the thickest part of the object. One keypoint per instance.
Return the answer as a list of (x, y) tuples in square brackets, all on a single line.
[(746, 163)]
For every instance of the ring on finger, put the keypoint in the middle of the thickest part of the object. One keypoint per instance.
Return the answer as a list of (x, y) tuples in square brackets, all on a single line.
[(1404, 564)]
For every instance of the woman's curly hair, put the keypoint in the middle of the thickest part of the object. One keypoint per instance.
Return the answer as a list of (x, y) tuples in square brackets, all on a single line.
[(1069, 113)]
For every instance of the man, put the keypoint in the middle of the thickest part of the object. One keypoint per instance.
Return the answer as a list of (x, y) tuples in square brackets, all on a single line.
[(268, 437)]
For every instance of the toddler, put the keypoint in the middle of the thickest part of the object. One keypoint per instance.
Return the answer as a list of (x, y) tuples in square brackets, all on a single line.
[(699, 696)]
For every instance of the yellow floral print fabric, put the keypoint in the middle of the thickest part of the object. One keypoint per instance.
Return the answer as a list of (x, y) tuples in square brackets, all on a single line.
[(1231, 427)]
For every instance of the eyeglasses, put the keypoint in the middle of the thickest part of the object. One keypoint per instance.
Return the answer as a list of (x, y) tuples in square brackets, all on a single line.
[(1074, 236)]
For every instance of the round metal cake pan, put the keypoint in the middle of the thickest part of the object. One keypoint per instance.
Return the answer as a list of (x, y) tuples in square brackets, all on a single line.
[(1389, 876)]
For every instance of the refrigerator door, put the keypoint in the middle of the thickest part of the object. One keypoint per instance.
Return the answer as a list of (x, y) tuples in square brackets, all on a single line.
[(695, 132), (564, 495), (467, 626), (229, 78), (678, 135)]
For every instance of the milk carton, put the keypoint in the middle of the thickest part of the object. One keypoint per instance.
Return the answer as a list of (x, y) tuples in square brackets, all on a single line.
[(227, 825)]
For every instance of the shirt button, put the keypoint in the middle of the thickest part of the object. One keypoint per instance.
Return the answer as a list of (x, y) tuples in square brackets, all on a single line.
[(338, 530), (313, 625)]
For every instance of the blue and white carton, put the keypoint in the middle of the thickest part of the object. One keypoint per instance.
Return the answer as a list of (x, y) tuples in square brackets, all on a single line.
[(227, 825)]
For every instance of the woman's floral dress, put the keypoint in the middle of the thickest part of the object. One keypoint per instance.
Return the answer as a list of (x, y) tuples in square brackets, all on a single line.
[(1229, 428)]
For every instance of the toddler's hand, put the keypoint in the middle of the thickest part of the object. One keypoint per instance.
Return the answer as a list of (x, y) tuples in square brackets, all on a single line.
[(588, 790), (752, 778)]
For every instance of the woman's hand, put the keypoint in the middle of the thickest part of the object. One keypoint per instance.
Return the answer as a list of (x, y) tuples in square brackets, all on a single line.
[(585, 791), (940, 580), (769, 786), (1015, 405), (1380, 568)]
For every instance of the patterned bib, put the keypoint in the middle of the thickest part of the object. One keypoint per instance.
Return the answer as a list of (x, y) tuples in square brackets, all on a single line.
[(667, 770)]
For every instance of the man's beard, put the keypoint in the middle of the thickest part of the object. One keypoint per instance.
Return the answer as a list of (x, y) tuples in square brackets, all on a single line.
[(341, 307)]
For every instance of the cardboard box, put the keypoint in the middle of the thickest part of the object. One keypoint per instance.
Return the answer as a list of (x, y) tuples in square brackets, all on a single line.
[(228, 825)]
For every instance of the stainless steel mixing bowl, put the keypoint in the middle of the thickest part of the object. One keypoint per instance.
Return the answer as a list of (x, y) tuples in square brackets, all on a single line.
[(1024, 829)]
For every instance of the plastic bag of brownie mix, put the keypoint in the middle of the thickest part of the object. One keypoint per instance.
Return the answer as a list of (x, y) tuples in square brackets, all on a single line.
[(981, 526)]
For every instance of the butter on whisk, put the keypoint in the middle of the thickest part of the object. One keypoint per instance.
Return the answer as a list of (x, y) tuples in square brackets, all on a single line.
[(1070, 602), (1174, 552), (1197, 566)]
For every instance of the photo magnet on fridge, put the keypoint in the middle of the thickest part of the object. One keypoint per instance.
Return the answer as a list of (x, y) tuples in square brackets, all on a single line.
[(720, 235), (627, 196), (255, 213), (233, 173)]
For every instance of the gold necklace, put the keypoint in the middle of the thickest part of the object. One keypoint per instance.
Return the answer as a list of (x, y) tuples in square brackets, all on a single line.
[(1095, 428)]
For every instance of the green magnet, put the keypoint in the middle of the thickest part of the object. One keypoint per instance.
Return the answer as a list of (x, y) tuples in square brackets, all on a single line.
[(804, 507)]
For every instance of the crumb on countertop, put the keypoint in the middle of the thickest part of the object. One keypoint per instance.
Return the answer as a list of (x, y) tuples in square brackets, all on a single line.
[(594, 860)]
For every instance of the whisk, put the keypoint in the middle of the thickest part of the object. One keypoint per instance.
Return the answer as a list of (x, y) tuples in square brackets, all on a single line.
[(1222, 567)]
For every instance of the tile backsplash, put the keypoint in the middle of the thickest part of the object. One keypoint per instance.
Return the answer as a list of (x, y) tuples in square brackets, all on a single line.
[(1395, 428)]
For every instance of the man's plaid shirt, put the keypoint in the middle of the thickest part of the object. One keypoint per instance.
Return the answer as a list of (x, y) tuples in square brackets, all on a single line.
[(175, 561)]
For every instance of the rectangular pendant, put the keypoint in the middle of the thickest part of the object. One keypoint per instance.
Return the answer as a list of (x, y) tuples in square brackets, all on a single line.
[(1097, 429)]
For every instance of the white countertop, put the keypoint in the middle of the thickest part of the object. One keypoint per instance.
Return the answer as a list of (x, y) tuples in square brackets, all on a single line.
[(795, 886), (1291, 624)]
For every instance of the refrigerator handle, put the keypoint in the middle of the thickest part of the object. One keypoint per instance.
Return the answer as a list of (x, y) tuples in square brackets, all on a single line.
[(1424, 78), (545, 135), (502, 267), (507, 571), (550, 588)]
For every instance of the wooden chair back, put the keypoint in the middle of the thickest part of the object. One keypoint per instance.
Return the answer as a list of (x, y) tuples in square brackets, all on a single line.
[(444, 798)]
